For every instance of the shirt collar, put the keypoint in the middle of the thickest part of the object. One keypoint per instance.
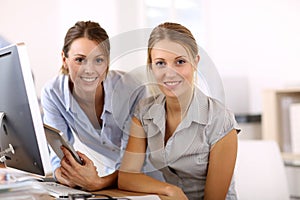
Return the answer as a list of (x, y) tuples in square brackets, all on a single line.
[(66, 91), (157, 110), (197, 112), (69, 99), (107, 96)]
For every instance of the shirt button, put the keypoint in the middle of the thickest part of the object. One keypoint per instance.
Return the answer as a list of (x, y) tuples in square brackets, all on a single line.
[(199, 160)]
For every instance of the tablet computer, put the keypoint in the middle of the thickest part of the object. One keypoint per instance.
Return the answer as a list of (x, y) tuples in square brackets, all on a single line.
[(56, 140)]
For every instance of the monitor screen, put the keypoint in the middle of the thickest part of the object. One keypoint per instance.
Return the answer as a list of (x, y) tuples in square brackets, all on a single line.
[(21, 125)]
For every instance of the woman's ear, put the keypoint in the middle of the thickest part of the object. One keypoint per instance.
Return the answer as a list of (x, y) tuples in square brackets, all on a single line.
[(64, 58), (197, 59)]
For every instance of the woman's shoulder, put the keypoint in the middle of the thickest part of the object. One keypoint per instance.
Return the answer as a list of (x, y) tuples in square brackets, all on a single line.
[(114, 74), (148, 101), (123, 82), (213, 105), (128, 77), (151, 103), (214, 108), (113, 78), (56, 84)]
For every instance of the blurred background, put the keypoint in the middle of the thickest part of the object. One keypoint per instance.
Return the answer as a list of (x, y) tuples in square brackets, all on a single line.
[(254, 44)]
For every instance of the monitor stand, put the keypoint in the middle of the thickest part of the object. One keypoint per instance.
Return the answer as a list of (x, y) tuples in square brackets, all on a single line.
[(2, 115), (10, 148)]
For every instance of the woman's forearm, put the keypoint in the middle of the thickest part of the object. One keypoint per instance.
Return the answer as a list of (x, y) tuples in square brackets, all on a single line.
[(104, 182), (139, 182)]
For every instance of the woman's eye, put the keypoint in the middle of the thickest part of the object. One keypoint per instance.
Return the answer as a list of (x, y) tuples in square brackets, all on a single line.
[(79, 60), (160, 64), (180, 62), (99, 60)]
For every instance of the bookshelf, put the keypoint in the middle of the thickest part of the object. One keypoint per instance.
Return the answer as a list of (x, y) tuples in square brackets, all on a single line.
[(277, 120)]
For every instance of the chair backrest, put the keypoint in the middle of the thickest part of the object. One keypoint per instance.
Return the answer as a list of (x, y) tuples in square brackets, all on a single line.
[(260, 172)]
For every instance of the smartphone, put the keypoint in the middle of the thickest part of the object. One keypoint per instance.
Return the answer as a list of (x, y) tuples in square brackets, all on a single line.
[(56, 140)]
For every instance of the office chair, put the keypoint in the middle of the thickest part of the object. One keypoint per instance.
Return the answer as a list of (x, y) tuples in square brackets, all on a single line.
[(260, 172)]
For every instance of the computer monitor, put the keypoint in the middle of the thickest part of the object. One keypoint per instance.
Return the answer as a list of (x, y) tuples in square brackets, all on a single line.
[(22, 137)]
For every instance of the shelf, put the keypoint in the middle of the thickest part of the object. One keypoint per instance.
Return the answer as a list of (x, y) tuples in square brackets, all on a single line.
[(276, 123), (291, 159)]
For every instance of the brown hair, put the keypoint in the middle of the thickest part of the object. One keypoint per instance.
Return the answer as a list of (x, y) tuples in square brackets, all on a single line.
[(173, 32), (86, 29)]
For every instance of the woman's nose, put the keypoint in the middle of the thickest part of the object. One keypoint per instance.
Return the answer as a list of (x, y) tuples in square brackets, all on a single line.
[(170, 71), (89, 65)]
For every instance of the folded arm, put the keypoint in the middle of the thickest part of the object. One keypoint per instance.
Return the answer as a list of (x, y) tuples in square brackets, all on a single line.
[(130, 176)]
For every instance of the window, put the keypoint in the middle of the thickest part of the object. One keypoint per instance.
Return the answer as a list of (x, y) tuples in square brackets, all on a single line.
[(189, 13)]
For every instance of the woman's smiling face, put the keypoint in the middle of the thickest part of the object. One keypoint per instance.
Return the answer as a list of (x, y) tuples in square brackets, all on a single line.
[(87, 64), (172, 68)]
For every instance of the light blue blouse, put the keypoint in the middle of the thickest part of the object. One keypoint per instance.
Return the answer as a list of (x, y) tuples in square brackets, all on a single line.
[(61, 110), (183, 161)]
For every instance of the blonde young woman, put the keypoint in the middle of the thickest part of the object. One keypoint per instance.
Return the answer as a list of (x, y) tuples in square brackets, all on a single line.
[(192, 138)]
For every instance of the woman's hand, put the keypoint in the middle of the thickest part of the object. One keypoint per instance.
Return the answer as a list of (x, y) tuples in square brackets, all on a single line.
[(73, 173), (61, 180), (175, 192)]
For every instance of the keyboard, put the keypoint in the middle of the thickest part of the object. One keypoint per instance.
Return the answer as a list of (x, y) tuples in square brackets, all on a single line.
[(60, 191)]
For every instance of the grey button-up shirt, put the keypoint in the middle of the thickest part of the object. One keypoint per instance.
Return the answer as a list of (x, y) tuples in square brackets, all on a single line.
[(184, 159)]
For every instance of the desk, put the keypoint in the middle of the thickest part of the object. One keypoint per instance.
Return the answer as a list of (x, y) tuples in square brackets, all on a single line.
[(33, 194), (122, 193), (111, 192)]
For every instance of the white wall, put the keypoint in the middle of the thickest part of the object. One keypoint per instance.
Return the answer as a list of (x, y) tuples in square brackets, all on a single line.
[(255, 44), (254, 40), (37, 24), (42, 26)]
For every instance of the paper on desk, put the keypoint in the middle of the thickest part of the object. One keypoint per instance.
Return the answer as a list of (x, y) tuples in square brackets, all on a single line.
[(145, 197), (17, 185), (22, 190), (9, 175)]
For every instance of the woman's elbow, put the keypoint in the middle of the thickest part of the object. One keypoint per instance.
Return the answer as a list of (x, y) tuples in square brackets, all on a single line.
[(122, 180)]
